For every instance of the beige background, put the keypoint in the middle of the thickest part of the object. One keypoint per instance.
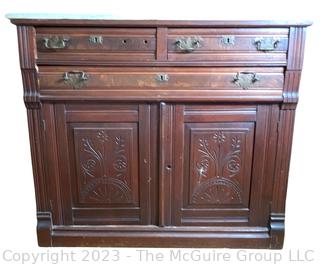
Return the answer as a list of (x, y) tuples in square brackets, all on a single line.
[(17, 212)]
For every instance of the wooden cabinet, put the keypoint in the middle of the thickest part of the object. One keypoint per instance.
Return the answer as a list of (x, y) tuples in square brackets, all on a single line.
[(160, 133)]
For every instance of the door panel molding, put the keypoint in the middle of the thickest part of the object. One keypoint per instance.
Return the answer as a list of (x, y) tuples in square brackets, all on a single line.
[(230, 154), (106, 172)]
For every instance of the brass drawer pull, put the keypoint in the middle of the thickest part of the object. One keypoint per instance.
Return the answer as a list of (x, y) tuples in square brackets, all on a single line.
[(75, 79), (162, 77), (266, 44), (55, 42), (245, 79), (188, 44)]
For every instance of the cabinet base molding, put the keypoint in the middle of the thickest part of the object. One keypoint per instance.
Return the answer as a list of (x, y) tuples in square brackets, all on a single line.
[(277, 230), (44, 229), (157, 236)]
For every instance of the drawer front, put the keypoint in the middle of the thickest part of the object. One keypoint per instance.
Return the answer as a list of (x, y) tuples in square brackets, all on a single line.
[(143, 78), (230, 45), (95, 44)]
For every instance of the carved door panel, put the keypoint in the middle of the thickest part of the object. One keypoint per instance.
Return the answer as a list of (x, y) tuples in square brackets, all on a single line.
[(217, 180), (107, 163)]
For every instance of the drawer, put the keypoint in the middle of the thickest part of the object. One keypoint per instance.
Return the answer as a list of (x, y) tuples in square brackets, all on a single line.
[(256, 45), (158, 78), (95, 44)]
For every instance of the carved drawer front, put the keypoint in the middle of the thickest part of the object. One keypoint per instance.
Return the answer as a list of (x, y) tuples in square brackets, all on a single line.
[(68, 44), (107, 174), (164, 78), (229, 45)]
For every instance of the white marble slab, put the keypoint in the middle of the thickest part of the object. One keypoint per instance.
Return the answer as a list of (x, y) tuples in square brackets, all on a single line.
[(60, 16), (162, 17), (105, 16)]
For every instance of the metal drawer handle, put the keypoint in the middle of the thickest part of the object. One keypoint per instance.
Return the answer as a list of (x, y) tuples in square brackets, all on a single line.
[(188, 44), (266, 44), (55, 42), (75, 79), (162, 77), (245, 79)]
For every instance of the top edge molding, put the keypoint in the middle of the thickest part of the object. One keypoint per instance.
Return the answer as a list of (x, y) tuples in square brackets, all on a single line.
[(46, 19)]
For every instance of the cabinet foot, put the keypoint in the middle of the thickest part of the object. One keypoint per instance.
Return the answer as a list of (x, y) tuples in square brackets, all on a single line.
[(44, 227), (277, 230)]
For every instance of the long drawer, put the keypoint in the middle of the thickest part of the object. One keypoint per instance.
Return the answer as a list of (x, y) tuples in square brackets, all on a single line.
[(163, 78)]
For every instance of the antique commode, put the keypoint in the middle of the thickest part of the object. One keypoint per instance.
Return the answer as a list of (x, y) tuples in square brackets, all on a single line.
[(160, 133)]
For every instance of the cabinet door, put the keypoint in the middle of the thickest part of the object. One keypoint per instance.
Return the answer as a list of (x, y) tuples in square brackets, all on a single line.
[(106, 161), (221, 161)]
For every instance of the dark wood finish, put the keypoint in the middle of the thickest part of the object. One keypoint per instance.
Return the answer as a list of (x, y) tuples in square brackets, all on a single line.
[(117, 44), (154, 146), (146, 78), (242, 49), (106, 178), (213, 178), (162, 48)]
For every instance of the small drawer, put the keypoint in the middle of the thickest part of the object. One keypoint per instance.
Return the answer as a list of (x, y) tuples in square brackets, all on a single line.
[(229, 45), (69, 44), (164, 78)]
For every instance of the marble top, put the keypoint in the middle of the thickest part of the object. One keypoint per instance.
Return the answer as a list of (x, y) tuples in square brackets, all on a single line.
[(38, 18), (108, 16), (60, 16)]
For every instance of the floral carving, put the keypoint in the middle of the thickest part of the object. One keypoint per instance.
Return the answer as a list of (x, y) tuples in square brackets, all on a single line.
[(100, 183), (231, 161), (102, 136), (219, 137), (225, 164), (120, 163)]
